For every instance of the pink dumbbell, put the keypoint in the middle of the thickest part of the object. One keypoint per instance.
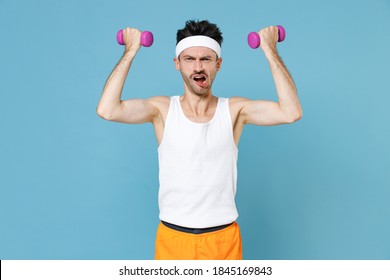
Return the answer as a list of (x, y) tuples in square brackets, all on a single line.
[(254, 38), (146, 38)]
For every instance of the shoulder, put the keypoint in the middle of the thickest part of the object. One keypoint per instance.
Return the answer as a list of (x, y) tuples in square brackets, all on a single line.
[(159, 102), (160, 105), (236, 103), (238, 100), (159, 99)]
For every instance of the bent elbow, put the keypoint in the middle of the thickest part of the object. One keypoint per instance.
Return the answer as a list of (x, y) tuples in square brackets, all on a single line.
[(103, 114), (294, 117), (298, 116)]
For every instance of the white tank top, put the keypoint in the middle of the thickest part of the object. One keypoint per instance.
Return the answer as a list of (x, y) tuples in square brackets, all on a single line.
[(198, 169)]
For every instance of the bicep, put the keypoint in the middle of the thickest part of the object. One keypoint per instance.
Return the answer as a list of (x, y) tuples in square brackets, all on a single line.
[(263, 112), (135, 111)]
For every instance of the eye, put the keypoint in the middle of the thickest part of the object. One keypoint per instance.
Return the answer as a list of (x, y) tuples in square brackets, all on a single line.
[(206, 59)]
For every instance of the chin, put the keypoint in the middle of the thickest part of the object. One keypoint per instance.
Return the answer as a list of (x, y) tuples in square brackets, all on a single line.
[(201, 94), (201, 91)]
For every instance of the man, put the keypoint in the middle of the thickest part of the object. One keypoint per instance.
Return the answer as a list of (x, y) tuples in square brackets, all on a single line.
[(198, 134)]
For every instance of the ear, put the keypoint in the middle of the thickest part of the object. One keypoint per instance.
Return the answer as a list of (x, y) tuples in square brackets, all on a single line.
[(177, 63), (219, 63)]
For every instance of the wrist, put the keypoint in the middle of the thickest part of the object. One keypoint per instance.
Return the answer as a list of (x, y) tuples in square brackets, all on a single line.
[(269, 49), (130, 52), (271, 53)]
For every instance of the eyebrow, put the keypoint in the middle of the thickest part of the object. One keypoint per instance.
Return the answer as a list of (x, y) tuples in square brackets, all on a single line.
[(202, 57)]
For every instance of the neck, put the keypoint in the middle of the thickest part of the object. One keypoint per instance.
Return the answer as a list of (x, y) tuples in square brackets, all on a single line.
[(198, 105)]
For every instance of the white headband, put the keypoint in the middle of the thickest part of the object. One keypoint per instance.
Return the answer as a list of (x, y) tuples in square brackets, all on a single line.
[(198, 41)]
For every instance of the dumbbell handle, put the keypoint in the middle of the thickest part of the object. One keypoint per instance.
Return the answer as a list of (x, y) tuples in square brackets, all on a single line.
[(146, 38), (254, 38)]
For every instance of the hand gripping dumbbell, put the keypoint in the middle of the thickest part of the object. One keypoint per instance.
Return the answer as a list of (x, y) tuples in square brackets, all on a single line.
[(254, 38), (146, 38)]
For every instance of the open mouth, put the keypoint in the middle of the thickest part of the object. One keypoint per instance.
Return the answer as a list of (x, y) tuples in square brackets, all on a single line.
[(200, 79)]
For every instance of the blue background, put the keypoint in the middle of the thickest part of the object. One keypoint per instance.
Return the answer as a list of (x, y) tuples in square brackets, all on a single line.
[(73, 186)]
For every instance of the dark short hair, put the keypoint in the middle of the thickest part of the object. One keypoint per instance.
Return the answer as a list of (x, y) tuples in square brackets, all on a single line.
[(196, 27)]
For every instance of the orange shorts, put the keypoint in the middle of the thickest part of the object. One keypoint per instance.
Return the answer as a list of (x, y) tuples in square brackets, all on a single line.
[(224, 244)]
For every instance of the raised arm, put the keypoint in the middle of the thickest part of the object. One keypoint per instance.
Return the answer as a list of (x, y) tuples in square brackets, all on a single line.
[(288, 108), (111, 107)]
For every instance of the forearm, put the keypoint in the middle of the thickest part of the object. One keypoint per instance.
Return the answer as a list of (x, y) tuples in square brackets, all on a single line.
[(285, 86), (112, 91)]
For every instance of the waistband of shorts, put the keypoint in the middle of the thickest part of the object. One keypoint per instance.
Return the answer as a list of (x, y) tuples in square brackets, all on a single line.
[(194, 230)]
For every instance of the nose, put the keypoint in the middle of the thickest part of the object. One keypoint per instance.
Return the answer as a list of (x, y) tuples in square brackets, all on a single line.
[(198, 65)]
